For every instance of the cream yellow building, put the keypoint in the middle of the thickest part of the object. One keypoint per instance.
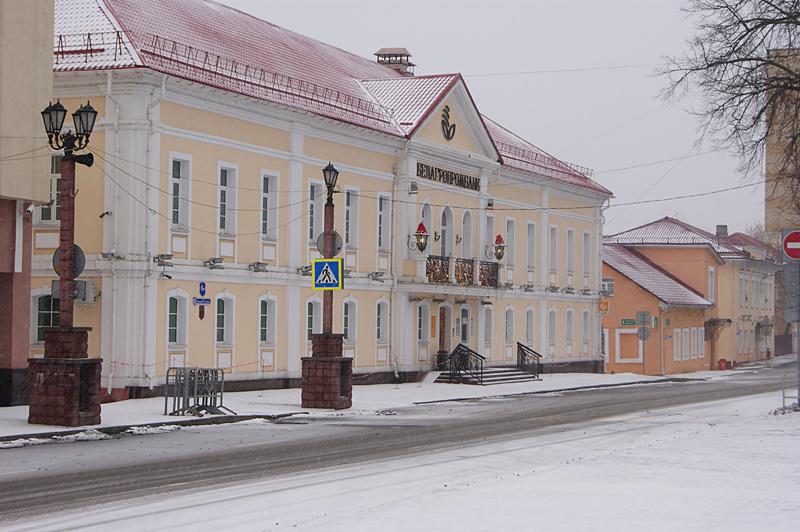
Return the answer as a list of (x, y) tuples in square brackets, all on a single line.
[(209, 151)]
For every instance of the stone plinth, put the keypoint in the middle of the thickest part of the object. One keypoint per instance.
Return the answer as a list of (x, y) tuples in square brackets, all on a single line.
[(327, 375), (65, 385), (64, 391)]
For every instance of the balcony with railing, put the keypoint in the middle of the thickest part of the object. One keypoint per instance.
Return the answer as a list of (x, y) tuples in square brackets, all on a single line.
[(465, 272), (437, 269), (489, 273)]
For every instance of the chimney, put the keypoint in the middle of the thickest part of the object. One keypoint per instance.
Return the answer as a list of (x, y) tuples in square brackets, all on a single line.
[(722, 231), (396, 59)]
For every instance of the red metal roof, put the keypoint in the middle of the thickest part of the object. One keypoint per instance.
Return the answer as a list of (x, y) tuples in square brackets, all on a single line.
[(670, 231), (742, 240), (221, 47), (649, 276)]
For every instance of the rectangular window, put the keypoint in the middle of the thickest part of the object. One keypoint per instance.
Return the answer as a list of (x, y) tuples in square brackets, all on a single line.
[(585, 330), (587, 243), (569, 327), (422, 321), (52, 211), (553, 249), (266, 206), (676, 345), (693, 353), (487, 318), (309, 320), (46, 315), (685, 347), (221, 329), (509, 326), (179, 193), (314, 212), (510, 242), (383, 223), (531, 246), (529, 327), (227, 176), (711, 285), (172, 326), (263, 323), (570, 250), (381, 315), (350, 218), (607, 286), (347, 321)]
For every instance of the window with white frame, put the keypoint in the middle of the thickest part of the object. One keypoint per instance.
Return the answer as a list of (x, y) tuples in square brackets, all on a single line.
[(51, 212), (224, 321), (487, 324), (607, 286), (350, 218), (466, 235), (702, 338), (529, 327), (422, 323), (227, 200), (349, 319), (676, 345), (490, 236), (511, 242), (464, 331), (570, 250), (570, 326), (445, 245), (693, 340), (685, 347), (266, 321), (551, 328), (553, 249), (176, 320), (179, 193), (531, 242), (269, 203), (509, 326), (382, 322), (315, 214), (384, 223), (587, 247), (585, 329), (313, 319), (46, 315), (711, 285)]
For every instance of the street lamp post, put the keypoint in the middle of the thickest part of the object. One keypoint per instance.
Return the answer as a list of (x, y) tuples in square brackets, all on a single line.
[(327, 376), (65, 385)]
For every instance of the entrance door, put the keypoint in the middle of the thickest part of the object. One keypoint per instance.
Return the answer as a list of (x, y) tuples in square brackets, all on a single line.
[(442, 329)]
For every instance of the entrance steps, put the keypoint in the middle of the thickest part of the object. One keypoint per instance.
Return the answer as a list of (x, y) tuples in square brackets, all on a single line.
[(494, 375)]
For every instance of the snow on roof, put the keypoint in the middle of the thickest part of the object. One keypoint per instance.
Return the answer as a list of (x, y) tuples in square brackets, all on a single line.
[(670, 231), (649, 276), (741, 240), (218, 46)]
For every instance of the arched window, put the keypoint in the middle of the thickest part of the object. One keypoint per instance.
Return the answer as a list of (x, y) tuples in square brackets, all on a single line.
[(349, 319), (382, 322), (551, 328), (585, 335), (569, 327), (224, 321), (466, 236), (529, 327), (465, 328), (446, 240), (509, 325), (313, 318), (176, 320), (46, 314), (266, 321)]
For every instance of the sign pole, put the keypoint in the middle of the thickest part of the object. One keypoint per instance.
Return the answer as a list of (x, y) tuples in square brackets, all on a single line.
[(790, 240), (327, 296)]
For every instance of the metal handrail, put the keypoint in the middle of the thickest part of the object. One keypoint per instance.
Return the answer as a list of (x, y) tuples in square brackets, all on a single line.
[(465, 360), (528, 360)]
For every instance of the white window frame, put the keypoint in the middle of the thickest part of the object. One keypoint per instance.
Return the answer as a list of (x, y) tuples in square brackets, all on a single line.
[(271, 322), (350, 222), (553, 244), (685, 349), (349, 320), (569, 321), (508, 335), (570, 251), (586, 329), (587, 256), (271, 210), (53, 208), (488, 318), (511, 242), (382, 321), (383, 212), (530, 326), (182, 331), (184, 183), (465, 322), (229, 308), (712, 292), (314, 318), (315, 220), (677, 344), (229, 189), (552, 327), (466, 235), (35, 297), (423, 318)]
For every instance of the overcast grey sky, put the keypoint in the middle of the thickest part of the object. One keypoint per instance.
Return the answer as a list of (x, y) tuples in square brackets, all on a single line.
[(604, 119)]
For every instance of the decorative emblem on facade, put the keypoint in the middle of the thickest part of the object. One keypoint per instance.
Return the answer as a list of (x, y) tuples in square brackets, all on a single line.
[(448, 129)]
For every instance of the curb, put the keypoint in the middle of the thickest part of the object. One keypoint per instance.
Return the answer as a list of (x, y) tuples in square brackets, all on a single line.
[(120, 429), (560, 390)]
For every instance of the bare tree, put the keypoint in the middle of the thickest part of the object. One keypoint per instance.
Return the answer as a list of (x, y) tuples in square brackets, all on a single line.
[(744, 59)]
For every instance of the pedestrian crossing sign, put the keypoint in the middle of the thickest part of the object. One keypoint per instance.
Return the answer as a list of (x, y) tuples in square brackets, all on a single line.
[(327, 274)]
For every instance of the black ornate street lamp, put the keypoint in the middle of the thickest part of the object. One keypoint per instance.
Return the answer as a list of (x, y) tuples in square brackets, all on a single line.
[(420, 241), (496, 251)]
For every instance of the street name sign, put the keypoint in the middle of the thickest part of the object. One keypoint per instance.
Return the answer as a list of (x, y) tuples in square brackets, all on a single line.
[(327, 274), (628, 321), (200, 301)]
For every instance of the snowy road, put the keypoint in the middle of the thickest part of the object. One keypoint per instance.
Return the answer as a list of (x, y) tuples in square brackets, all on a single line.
[(459, 465), (724, 465)]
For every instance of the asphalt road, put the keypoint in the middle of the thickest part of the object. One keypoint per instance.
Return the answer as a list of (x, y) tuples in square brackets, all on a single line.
[(54, 477)]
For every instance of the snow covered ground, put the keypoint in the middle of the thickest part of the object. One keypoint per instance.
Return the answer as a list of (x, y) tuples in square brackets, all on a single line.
[(727, 465), (367, 400)]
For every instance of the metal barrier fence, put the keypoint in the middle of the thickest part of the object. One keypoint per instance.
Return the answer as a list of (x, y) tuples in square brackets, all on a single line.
[(195, 391)]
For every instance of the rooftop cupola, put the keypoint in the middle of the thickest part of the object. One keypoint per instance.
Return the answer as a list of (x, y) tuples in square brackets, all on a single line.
[(397, 59)]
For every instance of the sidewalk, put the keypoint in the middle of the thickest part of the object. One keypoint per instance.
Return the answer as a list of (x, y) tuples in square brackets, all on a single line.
[(373, 400)]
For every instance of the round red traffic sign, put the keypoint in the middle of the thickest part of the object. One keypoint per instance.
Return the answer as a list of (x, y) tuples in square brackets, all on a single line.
[(791, 244)]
